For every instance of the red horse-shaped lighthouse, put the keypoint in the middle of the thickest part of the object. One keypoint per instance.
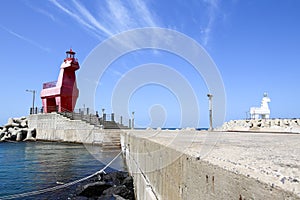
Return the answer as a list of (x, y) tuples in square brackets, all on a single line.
[(62, 95)]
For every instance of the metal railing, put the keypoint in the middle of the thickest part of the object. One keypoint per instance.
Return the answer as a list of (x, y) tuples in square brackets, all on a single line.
[(111, 121), (49, 84)]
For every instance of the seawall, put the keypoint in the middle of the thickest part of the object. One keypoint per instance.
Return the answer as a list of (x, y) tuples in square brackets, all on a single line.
[(55, 127), (213, 165), (263, 125)]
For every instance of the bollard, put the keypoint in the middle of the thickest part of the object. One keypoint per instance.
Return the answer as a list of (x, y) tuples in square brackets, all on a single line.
[(112, 117)]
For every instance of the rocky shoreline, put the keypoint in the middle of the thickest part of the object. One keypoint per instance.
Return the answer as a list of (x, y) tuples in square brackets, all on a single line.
[(16, 129), (112, 186)]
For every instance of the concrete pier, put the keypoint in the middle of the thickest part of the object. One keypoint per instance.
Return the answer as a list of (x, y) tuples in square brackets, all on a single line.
[(188, 164), (55, 127), (213, 165)]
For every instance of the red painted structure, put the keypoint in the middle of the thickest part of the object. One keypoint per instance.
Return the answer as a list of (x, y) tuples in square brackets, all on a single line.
[(62, 95)]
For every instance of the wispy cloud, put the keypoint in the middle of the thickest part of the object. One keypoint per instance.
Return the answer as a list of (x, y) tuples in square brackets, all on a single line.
[(113, 16), (89, 19), (212, 11), (42, 11), (25, 39)]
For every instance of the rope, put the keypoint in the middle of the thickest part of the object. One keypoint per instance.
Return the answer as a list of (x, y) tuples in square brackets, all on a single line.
[(26, 194)]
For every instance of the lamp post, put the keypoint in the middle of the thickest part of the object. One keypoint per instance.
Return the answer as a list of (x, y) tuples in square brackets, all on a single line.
[(33, 99), (132, 120), (103, 116), (210, 96)]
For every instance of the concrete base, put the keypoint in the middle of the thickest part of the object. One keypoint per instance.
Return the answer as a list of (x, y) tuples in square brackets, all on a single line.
[(54, 127), (216, 165)]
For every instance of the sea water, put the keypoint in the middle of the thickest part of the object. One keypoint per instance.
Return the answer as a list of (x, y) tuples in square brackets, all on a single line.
[(32, 166)]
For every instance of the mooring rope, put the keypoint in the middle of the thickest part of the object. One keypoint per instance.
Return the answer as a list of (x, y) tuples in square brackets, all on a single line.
[(26, 194)]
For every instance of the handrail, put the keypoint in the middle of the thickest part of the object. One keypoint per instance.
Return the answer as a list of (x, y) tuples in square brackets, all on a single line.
[(105, 121), (49, 84)]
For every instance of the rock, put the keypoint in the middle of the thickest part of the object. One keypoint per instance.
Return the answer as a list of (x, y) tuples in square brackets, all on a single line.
[(94, 189), (23, 118), (119, 190), (16, 129), (10, 120), (111, 197), (2, 134), (9, 125), (31, 134), (14, 132), (115, 178), (118, 197), (21, 134), (128, 182), (17, 120), (23, 124), (115, 185), (10, 129), (5, 137)]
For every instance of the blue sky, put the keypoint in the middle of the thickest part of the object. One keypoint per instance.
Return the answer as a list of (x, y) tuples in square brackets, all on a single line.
[(255, 45)]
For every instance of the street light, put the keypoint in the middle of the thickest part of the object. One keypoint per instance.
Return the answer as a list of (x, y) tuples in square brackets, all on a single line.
[(33, 99), (210, 96), (132, 120)]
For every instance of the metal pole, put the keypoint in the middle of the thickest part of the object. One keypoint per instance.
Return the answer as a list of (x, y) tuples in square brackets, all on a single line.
[(210, 96), (103, 116), (132, 120), (33, 99)]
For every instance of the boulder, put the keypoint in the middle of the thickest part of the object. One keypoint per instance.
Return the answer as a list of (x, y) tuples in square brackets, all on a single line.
[(5, 137), (111, 197), (119, 190), (23, 118), (14, 131), (23, 124), (19, 136), (17, 120), (31, 134), (2, 134), (128, 182), (117, 197), (94, 189), (10, 120), (115, 178), (11, 125)]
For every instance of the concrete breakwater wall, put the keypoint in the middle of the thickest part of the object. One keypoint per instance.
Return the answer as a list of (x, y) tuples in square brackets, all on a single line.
[(55, 127), (213, 165), (267, 125)]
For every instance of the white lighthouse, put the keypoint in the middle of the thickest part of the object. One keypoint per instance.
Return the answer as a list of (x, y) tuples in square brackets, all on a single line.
[(262, 112)]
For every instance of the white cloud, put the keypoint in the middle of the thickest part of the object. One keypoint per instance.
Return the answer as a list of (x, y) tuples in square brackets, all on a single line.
[(90, 19), (25, 39), (114, 17), (144, 13), (213, 9), (74, 15)]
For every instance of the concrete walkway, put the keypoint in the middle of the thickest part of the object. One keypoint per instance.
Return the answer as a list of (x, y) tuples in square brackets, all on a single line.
[(217, 165)]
